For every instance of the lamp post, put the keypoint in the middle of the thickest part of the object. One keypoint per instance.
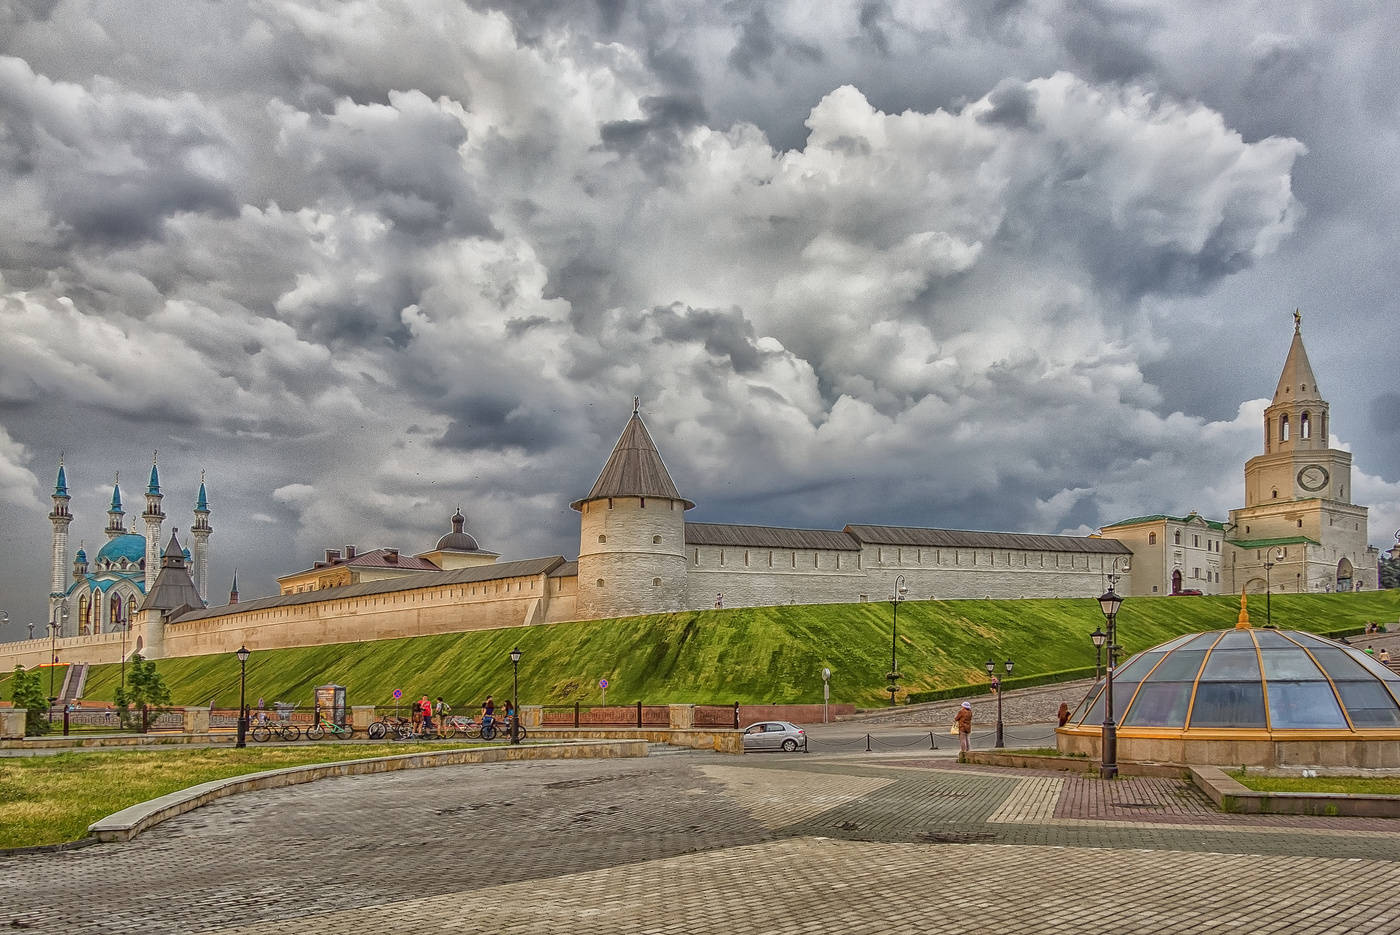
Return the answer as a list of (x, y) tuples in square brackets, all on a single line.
[(242, 655), (900, 592), (1098, 637), (126, 629), (515, 695), (996, 685), (1109, 603), (1268, 593), (53, 662)]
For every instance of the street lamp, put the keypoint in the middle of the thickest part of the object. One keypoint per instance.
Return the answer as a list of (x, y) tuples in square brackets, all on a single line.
[(1098, 637), (515, 695), (996, 685), (900, 592), (1109, 603), (1268, 593), (242, 655), (53, 663)]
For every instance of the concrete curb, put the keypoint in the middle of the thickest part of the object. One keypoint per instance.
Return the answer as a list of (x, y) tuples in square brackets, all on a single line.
[(1229, 795), (129, 822), (1069, 764)]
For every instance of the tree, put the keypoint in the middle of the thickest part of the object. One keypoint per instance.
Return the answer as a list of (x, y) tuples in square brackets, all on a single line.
[(144, 688), (1390, 570), (27, 692)]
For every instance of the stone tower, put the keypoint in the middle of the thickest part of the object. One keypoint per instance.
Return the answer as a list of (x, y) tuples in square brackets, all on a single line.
[(631, 555), (154, 518), (201, 531), (1298, 518), (60, 518)]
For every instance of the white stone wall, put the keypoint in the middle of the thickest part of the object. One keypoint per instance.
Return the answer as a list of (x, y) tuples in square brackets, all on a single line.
[(635, 547)]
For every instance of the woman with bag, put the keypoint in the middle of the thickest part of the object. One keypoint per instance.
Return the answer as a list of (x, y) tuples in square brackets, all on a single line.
[(963, 723)]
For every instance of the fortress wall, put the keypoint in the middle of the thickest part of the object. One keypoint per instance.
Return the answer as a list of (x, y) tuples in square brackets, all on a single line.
[(93, 649), (421, 612)]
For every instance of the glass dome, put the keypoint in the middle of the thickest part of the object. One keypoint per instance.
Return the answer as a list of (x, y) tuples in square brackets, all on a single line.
[(1273, 680)]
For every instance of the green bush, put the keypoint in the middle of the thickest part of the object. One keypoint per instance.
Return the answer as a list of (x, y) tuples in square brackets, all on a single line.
[(27, 692)]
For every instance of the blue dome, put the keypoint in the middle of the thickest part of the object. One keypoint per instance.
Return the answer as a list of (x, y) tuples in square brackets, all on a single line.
[(130, 547)]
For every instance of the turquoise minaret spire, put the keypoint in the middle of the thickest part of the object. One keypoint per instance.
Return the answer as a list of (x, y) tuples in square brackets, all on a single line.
[(154, 518), (116, 525), (200, 532), (60, 518)]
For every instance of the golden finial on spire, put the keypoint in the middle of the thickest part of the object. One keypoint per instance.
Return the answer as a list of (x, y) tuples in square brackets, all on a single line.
[(1297, 320), (1243, 622), (153, 456)]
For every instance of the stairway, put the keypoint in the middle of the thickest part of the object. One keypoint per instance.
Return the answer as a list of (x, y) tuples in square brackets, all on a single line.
[(73, 681)]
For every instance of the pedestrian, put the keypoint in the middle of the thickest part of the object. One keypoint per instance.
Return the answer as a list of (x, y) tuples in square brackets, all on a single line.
[(488, 711), (1370, 651), (963, 722), (1063, 714), (443, 709), (1384, 656), (425, 713), (415, 716)]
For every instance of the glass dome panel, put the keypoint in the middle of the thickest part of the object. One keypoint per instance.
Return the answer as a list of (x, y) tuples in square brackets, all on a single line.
[(1291, 663), (1231, 665), (1371, 665), (1272, 639), (1159, 704), (1135, 668), (1297, 705), (1182, 665), (1228, 704), (1178, 643), (1094, 714), (1235, 639), (1369, 704), (1339, 665)]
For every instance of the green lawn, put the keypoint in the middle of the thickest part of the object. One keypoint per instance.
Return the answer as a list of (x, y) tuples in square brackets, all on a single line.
[(1349, 785), (750, 655), (50, 799)]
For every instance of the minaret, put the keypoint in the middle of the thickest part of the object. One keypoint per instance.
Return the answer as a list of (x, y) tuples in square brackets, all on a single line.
[(201, 530), (154, 517), (60, 518), (116, 525), (631, 554), (80, 562), (233, 591)]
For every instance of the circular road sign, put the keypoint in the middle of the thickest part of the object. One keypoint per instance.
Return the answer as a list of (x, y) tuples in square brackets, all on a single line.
[(602, 683), (398, 693)]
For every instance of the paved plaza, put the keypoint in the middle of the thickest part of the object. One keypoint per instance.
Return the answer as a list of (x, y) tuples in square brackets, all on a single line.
[(699, 842)]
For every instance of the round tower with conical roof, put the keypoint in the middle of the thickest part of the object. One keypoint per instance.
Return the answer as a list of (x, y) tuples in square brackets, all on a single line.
[(631, 555)]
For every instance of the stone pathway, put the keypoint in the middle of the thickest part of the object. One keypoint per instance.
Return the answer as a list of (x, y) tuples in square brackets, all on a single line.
[(702, 843)]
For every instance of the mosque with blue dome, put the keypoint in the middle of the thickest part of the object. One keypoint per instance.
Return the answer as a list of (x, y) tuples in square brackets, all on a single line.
[(105, 594)]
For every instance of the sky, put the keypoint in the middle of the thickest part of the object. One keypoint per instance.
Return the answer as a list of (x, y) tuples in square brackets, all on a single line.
[(1023, 265)]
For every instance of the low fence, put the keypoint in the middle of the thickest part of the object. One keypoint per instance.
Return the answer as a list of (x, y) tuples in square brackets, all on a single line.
[(729, 717)]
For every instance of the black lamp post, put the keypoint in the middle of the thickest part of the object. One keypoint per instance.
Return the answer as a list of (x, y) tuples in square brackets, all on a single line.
[(1268, 593), (242, 655), (1098, 637), (515, 695), (996, 684), (900, 592), (1109, 603), (53, 663)]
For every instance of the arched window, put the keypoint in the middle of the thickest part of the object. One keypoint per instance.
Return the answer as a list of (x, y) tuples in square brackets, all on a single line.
[(600, 582), (85, 613), (1176, 537), (1151, 538), (130, 610), (655, 540), (602, 538), (116, 609), (656, 582), (1283, 427), (1305, 426)]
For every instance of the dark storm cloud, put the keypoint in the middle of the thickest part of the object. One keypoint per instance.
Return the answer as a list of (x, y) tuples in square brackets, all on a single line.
[(759, 42), (1012, 106), (1108, 40), (655, 141), (873, 14), (487, 421), (724, 334)]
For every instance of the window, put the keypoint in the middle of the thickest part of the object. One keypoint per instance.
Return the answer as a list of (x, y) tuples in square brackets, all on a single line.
[(655, 540), (1154, 589), (721, 556), (610, 503), (600, 582), (1283, 427), (644, 502), (1305, 426), (1300, 524), (746, 558), (1196, 542), (1275, 493), (1151, 538), (656, 582), (1176, 537), (602, 538)]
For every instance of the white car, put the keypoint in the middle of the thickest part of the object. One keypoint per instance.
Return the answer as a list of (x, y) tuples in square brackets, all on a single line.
[(774, 735)]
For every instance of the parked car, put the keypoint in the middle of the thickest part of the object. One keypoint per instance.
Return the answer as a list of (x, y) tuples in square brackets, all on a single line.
[(774, 735), (1187, 592)]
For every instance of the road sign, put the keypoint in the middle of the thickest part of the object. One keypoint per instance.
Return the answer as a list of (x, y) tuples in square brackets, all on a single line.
[(398, 693), (602, 683)]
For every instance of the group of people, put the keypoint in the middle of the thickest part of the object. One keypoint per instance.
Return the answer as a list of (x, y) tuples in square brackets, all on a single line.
[(962, 721), (427, 716)]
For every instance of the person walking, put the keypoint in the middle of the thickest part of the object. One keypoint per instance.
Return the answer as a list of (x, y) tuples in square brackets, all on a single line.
[(1063, 714), (1384, 656), (425, 711), (443, 709), (963, 722)]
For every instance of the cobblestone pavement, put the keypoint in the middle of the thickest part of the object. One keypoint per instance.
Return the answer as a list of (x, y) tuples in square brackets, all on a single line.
[(1018, 706), (696, 843)]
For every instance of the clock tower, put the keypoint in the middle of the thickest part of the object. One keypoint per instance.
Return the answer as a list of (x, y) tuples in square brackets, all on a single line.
[(1298, 518)]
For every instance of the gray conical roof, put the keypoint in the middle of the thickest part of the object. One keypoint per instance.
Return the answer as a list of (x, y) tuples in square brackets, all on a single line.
[(634, 469)]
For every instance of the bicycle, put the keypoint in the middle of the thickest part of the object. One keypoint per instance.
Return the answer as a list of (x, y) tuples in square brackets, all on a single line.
[(318, 731), (285, 730), (493, 728), (386, 725)]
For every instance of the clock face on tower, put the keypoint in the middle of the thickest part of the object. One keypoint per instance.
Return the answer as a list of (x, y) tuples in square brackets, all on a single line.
[(1313, 477)]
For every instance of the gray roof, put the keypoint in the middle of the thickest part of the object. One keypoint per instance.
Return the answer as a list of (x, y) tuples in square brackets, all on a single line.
[(438, 579), (634, 469), (173, 588), (565, 570), (768, 537), (973, 539)]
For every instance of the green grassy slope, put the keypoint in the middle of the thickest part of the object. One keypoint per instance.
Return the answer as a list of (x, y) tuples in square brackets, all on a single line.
[(751, 655)]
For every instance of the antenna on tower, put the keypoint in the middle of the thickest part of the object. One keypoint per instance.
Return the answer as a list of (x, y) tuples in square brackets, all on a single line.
[(636, 404)]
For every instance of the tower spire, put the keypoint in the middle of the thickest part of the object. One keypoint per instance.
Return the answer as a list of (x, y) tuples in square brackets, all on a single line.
[(154, 517), (59, 517), (200, 532), (116, 517)]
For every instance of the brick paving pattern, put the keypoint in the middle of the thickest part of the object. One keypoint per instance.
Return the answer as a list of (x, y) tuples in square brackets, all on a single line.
[(701, 843)]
